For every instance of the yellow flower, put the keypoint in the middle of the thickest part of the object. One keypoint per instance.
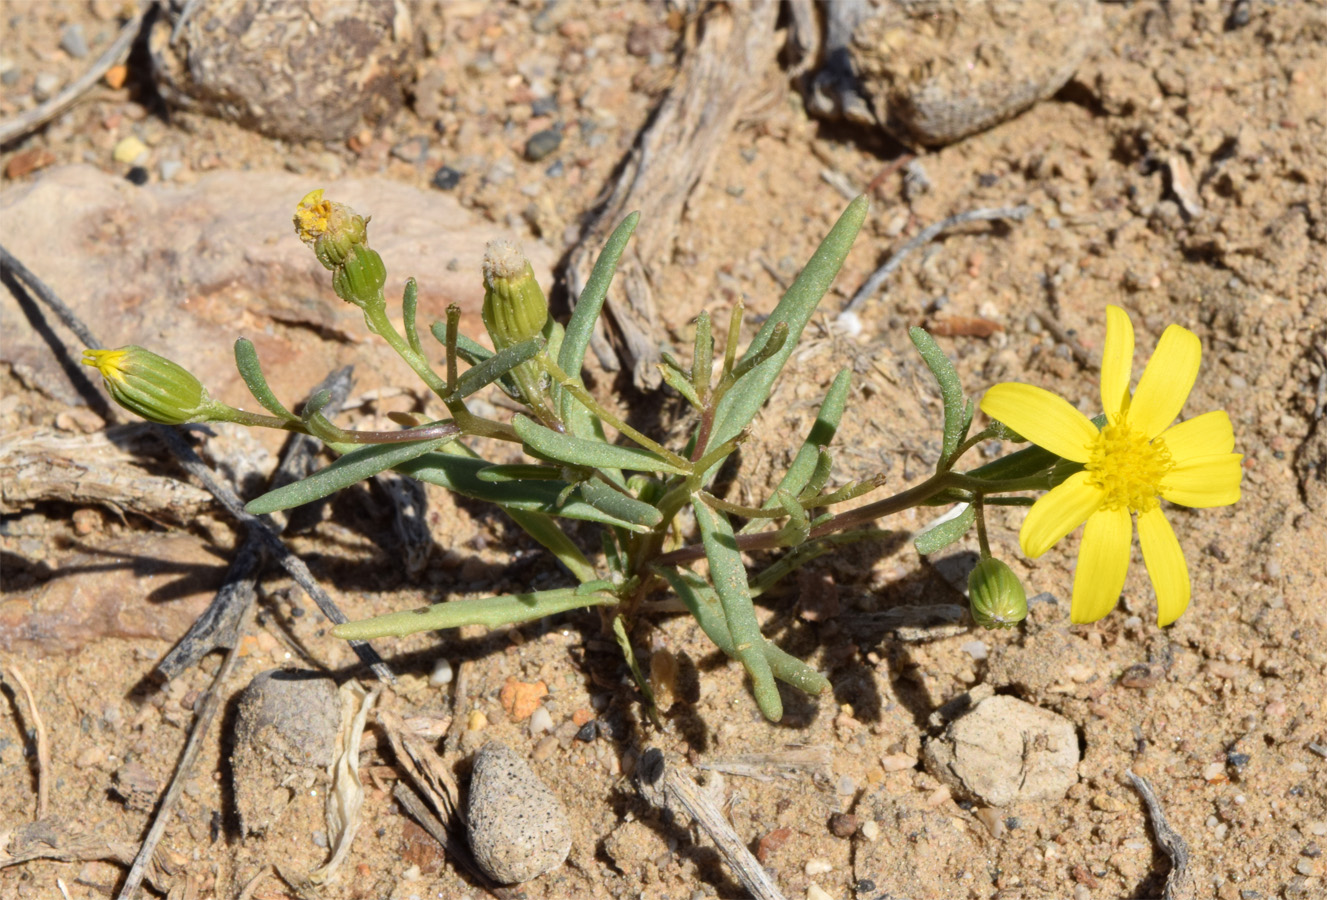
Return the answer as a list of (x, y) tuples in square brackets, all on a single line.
[(1130, 465)]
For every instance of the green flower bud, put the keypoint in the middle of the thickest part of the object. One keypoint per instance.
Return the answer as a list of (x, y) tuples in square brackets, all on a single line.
[(331, 229), (150, 385), (996, 596), (514, 306), (360, 278)]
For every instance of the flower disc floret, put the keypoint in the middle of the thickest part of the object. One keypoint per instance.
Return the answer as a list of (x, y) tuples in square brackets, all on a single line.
[(1127, 468)]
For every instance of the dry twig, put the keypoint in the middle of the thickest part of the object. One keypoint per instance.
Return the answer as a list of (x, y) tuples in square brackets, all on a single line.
[(663, 786), (1179, 883), (925, 236), (43, 745), (36, 117)]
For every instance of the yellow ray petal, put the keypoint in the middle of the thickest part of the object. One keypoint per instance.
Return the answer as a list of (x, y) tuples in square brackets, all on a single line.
[(1166, 381), (1165, 565), (1116, 362), (1205, 435), (1042, 417), (1059, 512), (1103, 561), (1204, 481)]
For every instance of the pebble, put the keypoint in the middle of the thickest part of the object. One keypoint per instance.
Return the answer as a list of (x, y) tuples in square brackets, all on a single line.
[(441, 674), (169, 168), (411, 150), (897, 762), (818, 867), (73, 41), (843, 825), (518, 828), (10, 76), (816, 892), (991, 818), (137, 175), (544, 749), (44, 86), (477, 721), (870, 830), (978, 650), (446, 178), (542, 143), (540, 722), (129, 150)]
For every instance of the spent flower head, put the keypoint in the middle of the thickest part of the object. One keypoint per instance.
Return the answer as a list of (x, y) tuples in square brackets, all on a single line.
[(1130, 465)]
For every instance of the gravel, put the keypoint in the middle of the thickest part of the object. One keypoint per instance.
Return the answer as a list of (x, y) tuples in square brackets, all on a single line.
[(518, 827)]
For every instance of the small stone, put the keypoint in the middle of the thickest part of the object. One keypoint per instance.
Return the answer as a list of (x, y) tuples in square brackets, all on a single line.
[(1107, 803), (476, 721), (73, 41), (411, 150), (520, 699), (130, 150), (28, 161), (897, 762), (446, 178), (818, 867), (1214, 772), (116, 76), (167, 169), (137, 176), (544, 749), (870, 830), (540, 722), (588, 732), (542, 143), (1006, 751), (441, 674), (771, 843), (10, 76), (44, 86), (518, 828), (816, 892), (843, 825), (990, 817)]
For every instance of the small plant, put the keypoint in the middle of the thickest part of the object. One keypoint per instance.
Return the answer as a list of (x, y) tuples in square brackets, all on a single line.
[(586, 463)]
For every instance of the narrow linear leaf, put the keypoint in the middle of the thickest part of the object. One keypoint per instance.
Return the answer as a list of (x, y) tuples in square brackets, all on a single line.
[(519, 472), (680, 383), (409, 307), (591, 301), (548, 444), (822, 432), (730, 582), (946, 530), (615, 503), (703, 603), (352, 468), (471, 351), (740, 405), (951, 391), (493, 368), (491, 612), (246, 361)]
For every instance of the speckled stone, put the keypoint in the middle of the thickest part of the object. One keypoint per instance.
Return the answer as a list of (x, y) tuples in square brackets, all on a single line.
[(518, 827)]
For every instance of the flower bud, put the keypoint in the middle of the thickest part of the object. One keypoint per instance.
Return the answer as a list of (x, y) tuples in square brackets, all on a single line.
[(360, 277), (150, 385), (996, 596), (514, 306), (331, 229)]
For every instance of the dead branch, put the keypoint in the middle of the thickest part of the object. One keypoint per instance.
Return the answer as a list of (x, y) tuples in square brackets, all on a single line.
[(43, 745)]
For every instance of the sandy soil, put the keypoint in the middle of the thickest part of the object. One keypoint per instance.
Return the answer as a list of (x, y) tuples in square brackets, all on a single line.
[(1182, 174)]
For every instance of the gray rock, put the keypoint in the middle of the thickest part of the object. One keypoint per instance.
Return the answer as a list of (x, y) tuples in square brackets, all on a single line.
[(300, 69), (285, 739), (73, 41), (1006, 751), (518, 827), (45, 86)]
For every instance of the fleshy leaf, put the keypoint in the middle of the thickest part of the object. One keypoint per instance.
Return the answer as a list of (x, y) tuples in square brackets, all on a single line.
[(491, 612), (548, 444)]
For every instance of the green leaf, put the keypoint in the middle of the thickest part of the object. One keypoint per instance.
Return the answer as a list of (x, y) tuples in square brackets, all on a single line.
[(612, 501), (409, 307), (591, 301), (821, 434), (1023, 463), (520, 472), (246, 360), (945, 531), (548, 444), (460, 474), (730, 582), (680, 383), (704, 604), (740, 405), (469, 350), (354, 467), (553, 539), (491, 612), (951, 391), (493, 368)]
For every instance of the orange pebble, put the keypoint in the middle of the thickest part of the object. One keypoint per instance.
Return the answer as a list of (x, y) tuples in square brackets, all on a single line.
[(116, 76), (521, 699)]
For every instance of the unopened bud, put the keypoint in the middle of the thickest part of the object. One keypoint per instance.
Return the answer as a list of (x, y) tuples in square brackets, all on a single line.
[(360, 277), (150, 386), (515, 309), (996, 596)]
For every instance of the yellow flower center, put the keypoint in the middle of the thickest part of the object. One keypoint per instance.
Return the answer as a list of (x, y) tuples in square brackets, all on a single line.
[(1127, 467), (311, 216), (110, 363)]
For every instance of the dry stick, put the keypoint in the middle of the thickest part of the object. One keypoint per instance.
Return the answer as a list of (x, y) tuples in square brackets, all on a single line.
[(34, 118), (1080, 354), (663, 785), (43, 747), (251, 886), (926, 235), (187, 458), (1179, 883), (207, 711)]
